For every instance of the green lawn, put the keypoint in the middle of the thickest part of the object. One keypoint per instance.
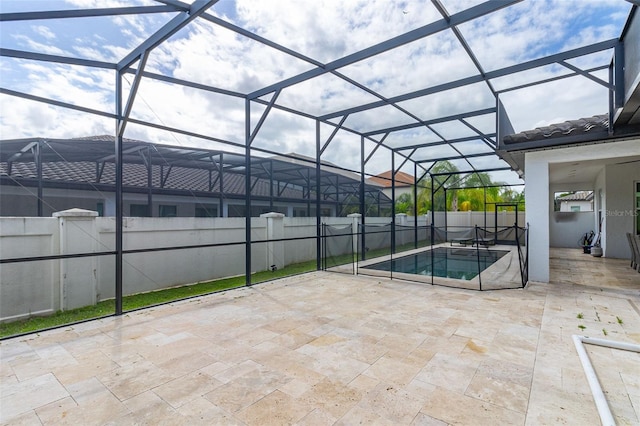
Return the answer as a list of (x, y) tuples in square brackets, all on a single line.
[(142, 300)]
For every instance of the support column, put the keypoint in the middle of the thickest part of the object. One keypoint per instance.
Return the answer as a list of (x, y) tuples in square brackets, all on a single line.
[(318, 172), (537, 215), (38, 151), (393, 202), (247, 192), (362, 203)]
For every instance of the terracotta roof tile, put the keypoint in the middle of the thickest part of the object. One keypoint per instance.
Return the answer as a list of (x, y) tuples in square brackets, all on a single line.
[(384, 179)]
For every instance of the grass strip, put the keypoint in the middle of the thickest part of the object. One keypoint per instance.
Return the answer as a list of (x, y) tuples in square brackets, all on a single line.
[(141, 300)]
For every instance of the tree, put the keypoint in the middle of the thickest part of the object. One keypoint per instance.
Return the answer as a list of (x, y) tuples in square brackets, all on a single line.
[(425, 185), (479, 191), (404, 204)]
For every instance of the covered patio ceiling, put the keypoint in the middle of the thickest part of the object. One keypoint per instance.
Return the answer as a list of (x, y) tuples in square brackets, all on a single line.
[(580, 172), (431, 81)]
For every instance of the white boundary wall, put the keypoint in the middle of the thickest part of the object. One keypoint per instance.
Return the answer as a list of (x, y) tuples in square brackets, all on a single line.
[(471, 219), (43, 287)]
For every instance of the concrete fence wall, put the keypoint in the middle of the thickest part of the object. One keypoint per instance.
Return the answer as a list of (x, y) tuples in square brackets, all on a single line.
[(46, 286), (469, 219)]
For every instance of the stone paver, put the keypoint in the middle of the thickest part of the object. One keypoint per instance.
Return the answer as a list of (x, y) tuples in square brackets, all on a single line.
[(336, 349)]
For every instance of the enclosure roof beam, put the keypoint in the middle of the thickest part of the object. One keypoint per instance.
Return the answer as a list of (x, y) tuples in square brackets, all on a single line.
[(457, 157), (483, 137), (524, 66), (21, 54), (459, 172), (176, 24), (122, 122), (176, 3), (375, 148), (436, 143), (27, 148), (425, 31), (85, 13), (438, 120), (587, 75), (333, 134), (465, 45), (255, 37), (487, 186), (551, 79), (265, 113), (186, 83), (56, 103)]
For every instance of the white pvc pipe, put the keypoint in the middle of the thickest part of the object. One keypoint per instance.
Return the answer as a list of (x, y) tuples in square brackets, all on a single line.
[(631, 347), (596, 390)]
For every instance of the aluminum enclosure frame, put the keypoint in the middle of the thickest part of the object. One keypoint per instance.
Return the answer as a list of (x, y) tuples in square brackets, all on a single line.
[(134, 62)]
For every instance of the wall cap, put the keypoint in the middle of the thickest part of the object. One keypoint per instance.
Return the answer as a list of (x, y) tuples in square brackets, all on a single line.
[(75, 213), (273, 215)]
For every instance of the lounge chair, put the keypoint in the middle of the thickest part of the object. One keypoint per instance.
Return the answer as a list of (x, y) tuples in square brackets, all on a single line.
[(483, 241), (463, 241)]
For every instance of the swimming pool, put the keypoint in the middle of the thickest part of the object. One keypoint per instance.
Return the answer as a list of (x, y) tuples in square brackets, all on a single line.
[(457, 263)]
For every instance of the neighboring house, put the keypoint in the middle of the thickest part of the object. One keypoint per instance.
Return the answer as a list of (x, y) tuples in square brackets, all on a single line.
[(39, 176), (580, 201), (403, 182), (600, 154)]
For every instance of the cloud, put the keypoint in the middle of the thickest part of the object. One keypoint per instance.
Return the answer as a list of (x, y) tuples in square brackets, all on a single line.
[(323, 30), (44, 31), (30, 44)]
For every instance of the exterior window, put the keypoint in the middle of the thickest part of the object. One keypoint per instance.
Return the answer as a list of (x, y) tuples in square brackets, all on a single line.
[(139, 210), (575, 208), (167, 211), (299, 212), (207, 211), (100, 209)]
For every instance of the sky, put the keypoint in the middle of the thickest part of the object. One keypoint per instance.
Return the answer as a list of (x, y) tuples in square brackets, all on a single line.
[(322, 30)]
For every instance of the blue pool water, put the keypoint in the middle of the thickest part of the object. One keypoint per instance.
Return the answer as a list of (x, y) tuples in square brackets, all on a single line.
[(461, 264)]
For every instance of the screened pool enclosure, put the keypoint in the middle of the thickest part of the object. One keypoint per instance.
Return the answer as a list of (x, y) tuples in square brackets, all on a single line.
[(236, 137)]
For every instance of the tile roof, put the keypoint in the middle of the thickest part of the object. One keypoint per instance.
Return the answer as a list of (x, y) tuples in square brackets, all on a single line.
[(579, 127), (89, 161), (135, 175), (401, 179), (578, 196)]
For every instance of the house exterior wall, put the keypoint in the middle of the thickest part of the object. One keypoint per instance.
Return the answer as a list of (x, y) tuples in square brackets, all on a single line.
[(22, 202), (566, 227), (615, 184), (583, 206), (399, 191), (619, 214)]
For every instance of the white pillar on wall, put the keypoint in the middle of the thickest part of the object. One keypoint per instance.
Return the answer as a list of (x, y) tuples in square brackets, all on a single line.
[(78, 277), (275, 231), (355, 227), (537, 201)]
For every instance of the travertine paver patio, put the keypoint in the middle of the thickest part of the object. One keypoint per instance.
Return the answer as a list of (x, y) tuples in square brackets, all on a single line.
[(336, 349)]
